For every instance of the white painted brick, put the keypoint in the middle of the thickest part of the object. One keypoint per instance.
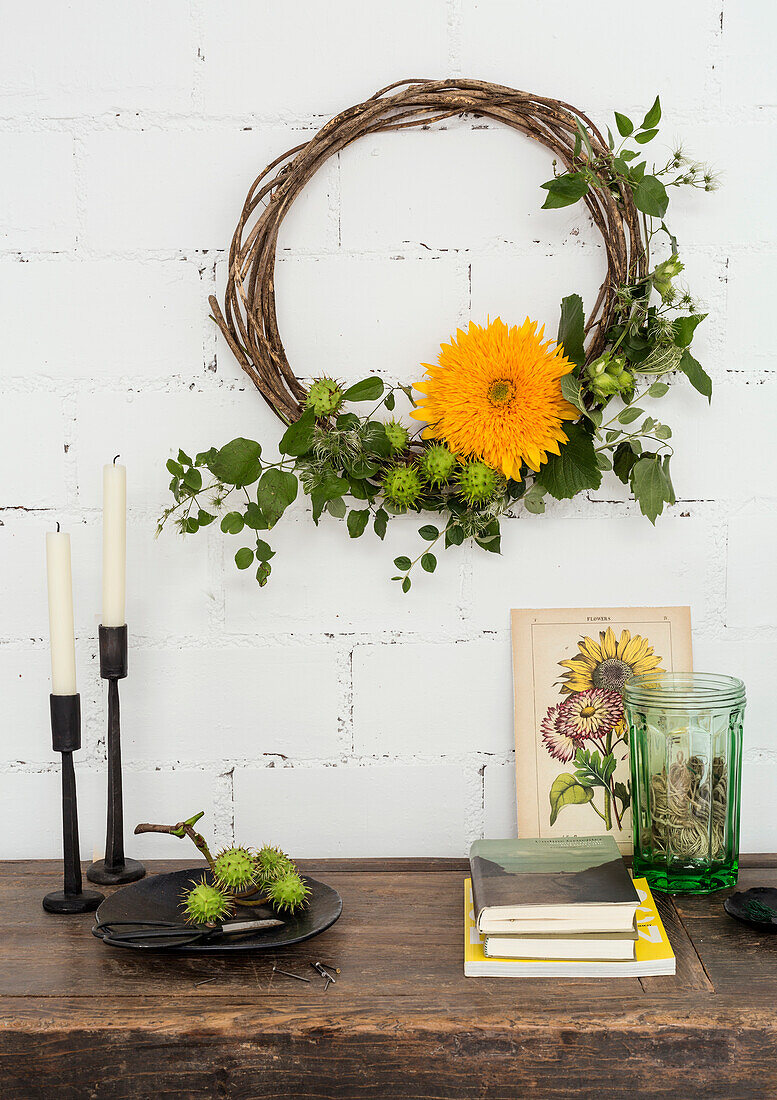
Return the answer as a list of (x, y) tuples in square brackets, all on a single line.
[(185, 189), (31, 811), (500, 816), (747, 71), (342, 53), (754, 662), (452, 188), (92, 57), (148, 428), (759, 782), (350, 316), (103, 319), (23, 600), (341, 584), (547, 51), (547, 561), (32, 450), (24, 675), (751, 279), (220, 702), (433, 699), (531, 284), (37, 191), (388, 810), (751, 579)]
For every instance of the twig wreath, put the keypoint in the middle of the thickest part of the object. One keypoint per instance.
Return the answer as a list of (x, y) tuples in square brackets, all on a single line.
[(508, 415)]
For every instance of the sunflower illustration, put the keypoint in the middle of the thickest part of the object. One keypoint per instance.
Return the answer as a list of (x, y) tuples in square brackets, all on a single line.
[(496, 395), (609, 663)]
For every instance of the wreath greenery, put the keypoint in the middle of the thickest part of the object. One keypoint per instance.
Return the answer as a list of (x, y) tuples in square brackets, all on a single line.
[(363, 468)]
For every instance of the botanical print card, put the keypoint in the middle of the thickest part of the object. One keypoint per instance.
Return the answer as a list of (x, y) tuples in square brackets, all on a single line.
[(569, 669)]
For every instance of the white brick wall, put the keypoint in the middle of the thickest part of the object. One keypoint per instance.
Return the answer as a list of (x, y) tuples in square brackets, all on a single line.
[(327, 711)]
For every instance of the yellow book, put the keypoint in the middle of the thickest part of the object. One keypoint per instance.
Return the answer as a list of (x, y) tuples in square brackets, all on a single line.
[(654, 953)]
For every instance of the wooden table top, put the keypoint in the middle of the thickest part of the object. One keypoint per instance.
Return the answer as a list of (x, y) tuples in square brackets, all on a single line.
[(80, 1019)]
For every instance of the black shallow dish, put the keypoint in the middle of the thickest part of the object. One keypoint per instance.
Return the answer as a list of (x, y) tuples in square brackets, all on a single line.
[(158, 898), (737, 907)]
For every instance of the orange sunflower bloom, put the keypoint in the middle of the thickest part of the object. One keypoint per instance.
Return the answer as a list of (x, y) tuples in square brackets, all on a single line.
[(496, 395)]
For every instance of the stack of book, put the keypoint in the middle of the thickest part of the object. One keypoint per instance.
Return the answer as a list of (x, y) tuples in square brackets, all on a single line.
[(563, 906)]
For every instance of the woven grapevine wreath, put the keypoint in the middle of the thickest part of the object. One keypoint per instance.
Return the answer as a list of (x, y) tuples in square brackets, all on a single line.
[(508, 415)]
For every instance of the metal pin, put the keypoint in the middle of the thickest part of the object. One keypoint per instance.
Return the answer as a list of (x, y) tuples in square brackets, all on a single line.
[(204, 982), (289, 974), (324, 973), (327, 984), (336, 969)]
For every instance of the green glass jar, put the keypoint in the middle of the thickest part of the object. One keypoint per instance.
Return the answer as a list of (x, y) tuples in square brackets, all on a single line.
[(685, 737)]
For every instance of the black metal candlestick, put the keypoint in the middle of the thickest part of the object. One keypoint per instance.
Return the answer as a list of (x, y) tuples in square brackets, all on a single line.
[(66, 738), (116, 868)]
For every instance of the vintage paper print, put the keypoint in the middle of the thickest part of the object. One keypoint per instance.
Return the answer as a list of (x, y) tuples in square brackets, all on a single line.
[(569, 669)]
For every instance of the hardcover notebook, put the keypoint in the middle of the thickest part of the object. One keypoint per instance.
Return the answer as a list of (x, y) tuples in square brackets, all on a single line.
[(654, 953), (565, 884)]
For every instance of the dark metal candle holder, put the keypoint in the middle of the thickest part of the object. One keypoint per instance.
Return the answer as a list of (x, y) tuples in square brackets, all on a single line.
[(116, 868), (66, 738)]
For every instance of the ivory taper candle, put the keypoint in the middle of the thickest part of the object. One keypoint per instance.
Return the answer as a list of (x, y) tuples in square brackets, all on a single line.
[(61, 628), (114, 544)]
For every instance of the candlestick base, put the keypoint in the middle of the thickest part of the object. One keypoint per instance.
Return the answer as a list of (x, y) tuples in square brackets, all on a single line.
[(60, 902), (105, 875)]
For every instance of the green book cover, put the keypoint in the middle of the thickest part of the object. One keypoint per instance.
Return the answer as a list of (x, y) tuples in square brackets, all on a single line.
[(549, 871)]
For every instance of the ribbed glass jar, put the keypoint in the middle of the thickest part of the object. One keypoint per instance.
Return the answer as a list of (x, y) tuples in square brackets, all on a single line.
[(685, 737)]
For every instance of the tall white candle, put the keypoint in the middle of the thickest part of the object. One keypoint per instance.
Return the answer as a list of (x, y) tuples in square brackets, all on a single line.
[(61, 629), (114, 544)]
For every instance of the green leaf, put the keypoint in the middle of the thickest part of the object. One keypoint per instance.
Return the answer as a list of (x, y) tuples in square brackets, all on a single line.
[(650, 197), (670, 495), (428, 562), (369, 389), (244, 557), (428, 532), (183, 458), (347, 421), (696, 374), (362, 468), (390, 402), (357, 521), (610, 139), (630, 414), (645, 137), (232, 523), (570, 329), (263, 573), (192, 479), (454, 535), (406, 584), (624, 124), (570, 390), (683, 329), (263, 550), (566, 791), (380, 523), (375, 440), (277, 489), (204, 518), (237, 462), (174, 468), (336, 508), (658, 389), (493, 544), (402, 563), (573, 469), (621, 792), (191, 526), (592, 770), (298, 437), (253, 517), (204, 458), (623, 460), (650, 486), (564, 190), (653, 117), (662, 431)]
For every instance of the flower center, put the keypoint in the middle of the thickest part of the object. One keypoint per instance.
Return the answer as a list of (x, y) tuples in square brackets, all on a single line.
[(501, 392), (612, 674), (587, 712)]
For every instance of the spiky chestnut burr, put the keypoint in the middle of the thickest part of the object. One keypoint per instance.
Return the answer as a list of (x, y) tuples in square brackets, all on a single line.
[(402, 486), (205, 903), (235, 869), (437, 464), (397, 435), (325, 397), (288, 893), (272, 864), (477, 482)]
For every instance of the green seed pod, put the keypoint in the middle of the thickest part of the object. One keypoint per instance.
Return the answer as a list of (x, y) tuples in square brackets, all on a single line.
[(397, 435), (325, 397), (272, 863), (663, 275), (402, 486), (236, 868), (204, 903), (437, 464), (288, 893), (477, 482)]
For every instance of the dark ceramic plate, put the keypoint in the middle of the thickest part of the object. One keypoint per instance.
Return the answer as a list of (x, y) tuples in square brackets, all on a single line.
[(748, 906), (157, 898)]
